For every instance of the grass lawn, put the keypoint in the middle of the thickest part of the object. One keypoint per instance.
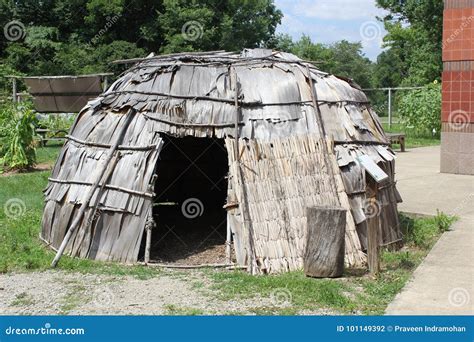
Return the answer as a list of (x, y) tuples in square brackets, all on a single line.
[(411, 141), (20, 248), (49, 153), (356, 292)]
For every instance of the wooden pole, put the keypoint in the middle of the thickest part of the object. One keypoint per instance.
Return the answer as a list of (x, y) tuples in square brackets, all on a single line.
[(106, 84), (314, 99), (228, 244), (14, 90), (237, 114), (389, 107), (228, 240), (322, 132), (373, 249), (247, 224), (75, 224), (149, 228), (108, 173)]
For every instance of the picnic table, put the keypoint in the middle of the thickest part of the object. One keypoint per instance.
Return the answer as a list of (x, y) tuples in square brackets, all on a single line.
[(56, 135), (397, 138)]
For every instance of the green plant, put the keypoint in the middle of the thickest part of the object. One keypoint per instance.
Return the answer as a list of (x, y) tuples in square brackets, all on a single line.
[(443, 221), (405, 260), (57, 125), (423, 233), (420, 110), (17, 133)]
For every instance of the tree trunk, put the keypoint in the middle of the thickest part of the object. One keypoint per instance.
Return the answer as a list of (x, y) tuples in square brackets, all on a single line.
[(324, 255)]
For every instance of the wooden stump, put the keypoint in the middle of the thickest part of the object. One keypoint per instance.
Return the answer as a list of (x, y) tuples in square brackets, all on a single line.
[(325, 242)]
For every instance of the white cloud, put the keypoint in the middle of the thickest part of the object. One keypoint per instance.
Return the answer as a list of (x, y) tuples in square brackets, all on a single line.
[(331, 9), (327, 21)]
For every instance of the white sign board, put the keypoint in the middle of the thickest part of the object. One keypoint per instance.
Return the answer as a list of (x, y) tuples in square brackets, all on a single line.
[(373, 169)]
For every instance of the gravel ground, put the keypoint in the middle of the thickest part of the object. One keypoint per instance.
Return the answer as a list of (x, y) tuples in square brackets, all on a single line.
[(59, 292)]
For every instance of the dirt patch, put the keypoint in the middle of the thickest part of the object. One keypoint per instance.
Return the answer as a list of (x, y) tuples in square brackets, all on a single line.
[(182, 293), (209, 253), (37, 168)]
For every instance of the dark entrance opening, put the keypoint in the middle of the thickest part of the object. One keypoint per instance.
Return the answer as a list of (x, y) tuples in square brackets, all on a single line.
[(191, 190)]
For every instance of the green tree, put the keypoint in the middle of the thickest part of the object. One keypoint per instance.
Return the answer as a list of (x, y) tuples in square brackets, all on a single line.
[(389, 70), (414, 39), (342, 58), (350, 62), (419, 110), (78, 36), (214, 24)]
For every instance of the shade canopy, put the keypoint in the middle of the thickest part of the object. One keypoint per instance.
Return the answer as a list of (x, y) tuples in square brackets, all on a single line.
[(63, 94)]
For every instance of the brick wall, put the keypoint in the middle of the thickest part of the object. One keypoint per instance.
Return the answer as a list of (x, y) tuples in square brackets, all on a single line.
[(457, 115), (458, 91)]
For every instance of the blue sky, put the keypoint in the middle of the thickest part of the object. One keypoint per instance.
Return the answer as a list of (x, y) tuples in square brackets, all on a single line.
[(327, 21)]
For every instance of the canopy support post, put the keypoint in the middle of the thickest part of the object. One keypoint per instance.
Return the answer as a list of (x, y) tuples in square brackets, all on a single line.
[(389, 107), (14, 96)]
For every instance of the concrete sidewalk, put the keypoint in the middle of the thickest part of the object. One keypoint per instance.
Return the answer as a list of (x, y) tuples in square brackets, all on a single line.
[(443, 283), (424, 189)]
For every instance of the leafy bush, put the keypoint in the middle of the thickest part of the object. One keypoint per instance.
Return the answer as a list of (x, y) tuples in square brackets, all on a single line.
[(17, 133), (420, 110)]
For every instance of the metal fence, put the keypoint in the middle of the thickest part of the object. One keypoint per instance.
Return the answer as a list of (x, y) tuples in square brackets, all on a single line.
[(384, 100)]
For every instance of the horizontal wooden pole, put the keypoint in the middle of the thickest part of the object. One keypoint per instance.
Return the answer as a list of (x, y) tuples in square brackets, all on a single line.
[(107, 186), (231, 101), (121, 147), (189, 266)]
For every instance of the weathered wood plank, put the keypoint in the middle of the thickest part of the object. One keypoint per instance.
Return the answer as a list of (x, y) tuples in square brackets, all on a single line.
[(373, 249), (325, 242), (85, 204)]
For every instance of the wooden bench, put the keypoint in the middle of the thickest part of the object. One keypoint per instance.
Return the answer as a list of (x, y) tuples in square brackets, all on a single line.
[(43, 132), (397, 138)]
